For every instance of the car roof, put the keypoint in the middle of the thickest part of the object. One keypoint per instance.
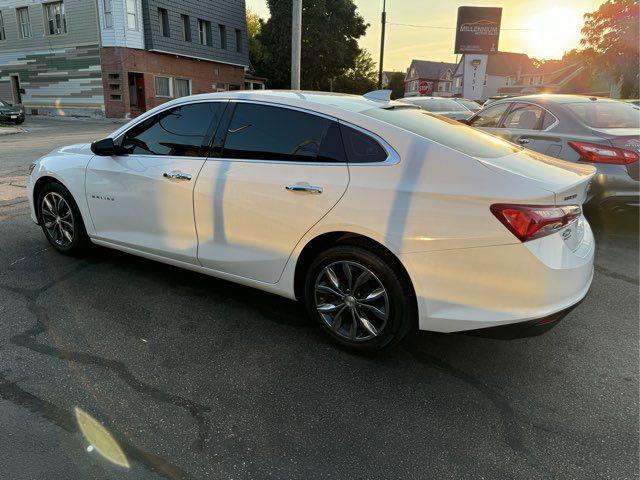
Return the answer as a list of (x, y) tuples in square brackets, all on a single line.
[(413, 99), (328, 100), (555, 98)]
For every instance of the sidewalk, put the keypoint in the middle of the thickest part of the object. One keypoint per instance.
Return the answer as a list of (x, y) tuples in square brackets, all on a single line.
[(10, 129)]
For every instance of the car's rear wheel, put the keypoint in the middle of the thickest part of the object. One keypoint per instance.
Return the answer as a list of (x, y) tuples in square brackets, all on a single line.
[(359, 298), (60, 219)]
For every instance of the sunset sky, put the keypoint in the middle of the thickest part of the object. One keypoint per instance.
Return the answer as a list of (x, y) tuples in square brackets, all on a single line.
[(550, 27)]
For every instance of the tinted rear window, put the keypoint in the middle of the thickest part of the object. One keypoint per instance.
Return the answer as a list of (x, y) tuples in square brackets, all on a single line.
[(606, 114), (450, 133)]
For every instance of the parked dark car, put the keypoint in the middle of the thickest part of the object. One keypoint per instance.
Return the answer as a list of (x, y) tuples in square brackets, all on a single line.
[(598, 131), (10, 113), (447, 107)]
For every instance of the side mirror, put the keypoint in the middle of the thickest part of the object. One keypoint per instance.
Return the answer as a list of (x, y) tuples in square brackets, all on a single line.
[(104, 147)]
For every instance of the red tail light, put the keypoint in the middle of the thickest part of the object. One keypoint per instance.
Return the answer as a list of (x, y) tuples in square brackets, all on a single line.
[(590, 152), (527, 222)]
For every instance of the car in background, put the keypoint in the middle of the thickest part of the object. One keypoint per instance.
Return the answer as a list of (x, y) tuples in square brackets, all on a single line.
[(447, 107), (601, 132), (10, 113), (375, 214), (632, 101), (472, 105)]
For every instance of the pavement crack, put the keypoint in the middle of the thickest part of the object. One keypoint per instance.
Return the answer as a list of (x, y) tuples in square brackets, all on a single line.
[(28, 339), (511, 427), (12, 392)]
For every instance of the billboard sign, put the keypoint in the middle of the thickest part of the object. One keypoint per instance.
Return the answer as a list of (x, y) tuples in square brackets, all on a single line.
[(478, 30)]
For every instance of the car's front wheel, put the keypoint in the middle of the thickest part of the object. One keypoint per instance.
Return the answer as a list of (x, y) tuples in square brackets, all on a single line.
[(60, 219), (359, 297)]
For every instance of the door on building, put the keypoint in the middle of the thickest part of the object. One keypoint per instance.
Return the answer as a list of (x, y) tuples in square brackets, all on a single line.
[(15, 89), (136, 92)]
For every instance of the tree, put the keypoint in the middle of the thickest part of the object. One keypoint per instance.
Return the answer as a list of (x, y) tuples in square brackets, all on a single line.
[(396, 84), (256, 50), (359, 79), (330, 33), (611, 36)]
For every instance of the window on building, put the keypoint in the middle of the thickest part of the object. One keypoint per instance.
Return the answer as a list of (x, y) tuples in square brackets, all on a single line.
[(54, 18), (183, 87), (3, 36), (271, 133), (238, 40), (164, 87), (181, 131), (186, 28), (132, 14), (223, 36), (107, 7), (163, 20), (24, 22), (204, 32), (220, 87)]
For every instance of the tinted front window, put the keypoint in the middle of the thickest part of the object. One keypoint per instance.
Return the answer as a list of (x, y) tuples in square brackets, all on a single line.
[(361, 148), (606, 114), (3, 103), (447, 132), (262, 132), (180, 131), (489, 117)]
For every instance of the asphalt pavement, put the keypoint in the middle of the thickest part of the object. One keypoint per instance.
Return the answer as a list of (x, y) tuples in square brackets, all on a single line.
[(116, 367)]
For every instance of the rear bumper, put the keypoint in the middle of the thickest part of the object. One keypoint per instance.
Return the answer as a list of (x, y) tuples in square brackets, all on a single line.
[(531, 328), (613, 191), (477, 288)]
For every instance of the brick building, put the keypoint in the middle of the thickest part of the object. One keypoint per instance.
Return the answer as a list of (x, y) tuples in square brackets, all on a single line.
[(118, 57)]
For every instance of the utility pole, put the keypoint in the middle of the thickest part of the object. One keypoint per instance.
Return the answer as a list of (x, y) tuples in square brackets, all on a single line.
[(384, 22), (296, 38)]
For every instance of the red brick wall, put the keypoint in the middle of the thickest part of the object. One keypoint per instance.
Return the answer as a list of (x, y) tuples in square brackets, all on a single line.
[(118, 60)]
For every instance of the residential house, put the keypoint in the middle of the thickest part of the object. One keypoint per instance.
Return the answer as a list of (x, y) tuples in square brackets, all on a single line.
[(502, 69), (435, 77), (118, 57)]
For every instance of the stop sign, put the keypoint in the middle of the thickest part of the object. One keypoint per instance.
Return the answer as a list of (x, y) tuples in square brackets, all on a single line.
[(424, 88)]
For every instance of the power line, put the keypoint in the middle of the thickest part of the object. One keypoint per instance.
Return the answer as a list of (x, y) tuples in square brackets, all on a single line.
[(448, 28)]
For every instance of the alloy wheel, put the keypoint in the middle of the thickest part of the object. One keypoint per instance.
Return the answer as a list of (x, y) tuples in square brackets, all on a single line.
[(351, 300), (58, 219)]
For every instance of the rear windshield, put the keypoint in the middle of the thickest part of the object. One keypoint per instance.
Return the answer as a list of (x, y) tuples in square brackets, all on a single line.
[(606, 114), (437, 105), (447, 132)]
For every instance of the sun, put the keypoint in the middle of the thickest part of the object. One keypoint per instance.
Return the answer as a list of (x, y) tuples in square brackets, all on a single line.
[(553, 32)]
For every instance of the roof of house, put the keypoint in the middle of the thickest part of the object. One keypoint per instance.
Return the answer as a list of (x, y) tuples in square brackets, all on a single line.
[(428, 69), (507, 63)]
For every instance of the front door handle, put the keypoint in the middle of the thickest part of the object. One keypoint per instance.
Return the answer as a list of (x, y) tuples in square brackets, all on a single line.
[(524, 140), (175, 175), (304, 187)]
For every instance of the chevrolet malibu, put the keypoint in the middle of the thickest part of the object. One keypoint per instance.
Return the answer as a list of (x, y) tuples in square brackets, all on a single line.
[(375, 214)]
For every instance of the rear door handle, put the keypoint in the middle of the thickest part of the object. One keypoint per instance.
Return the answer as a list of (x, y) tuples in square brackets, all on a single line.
[(175, 175), (304, 187)]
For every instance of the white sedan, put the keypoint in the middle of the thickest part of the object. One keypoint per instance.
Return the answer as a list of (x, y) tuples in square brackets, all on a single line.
[(375, 214)]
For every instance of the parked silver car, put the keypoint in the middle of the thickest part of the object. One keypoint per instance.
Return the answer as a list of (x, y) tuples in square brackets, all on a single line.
[(447, 107), (598, 131)]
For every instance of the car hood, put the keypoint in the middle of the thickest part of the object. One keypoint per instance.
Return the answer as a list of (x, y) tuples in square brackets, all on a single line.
[(567, 180), (10, 110)]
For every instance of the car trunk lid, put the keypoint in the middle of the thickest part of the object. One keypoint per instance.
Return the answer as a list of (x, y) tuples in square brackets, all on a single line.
[(569, 182)]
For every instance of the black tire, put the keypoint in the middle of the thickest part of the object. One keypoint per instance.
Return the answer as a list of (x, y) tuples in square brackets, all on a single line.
[(19, 122), (399, 301), (80, 240)]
